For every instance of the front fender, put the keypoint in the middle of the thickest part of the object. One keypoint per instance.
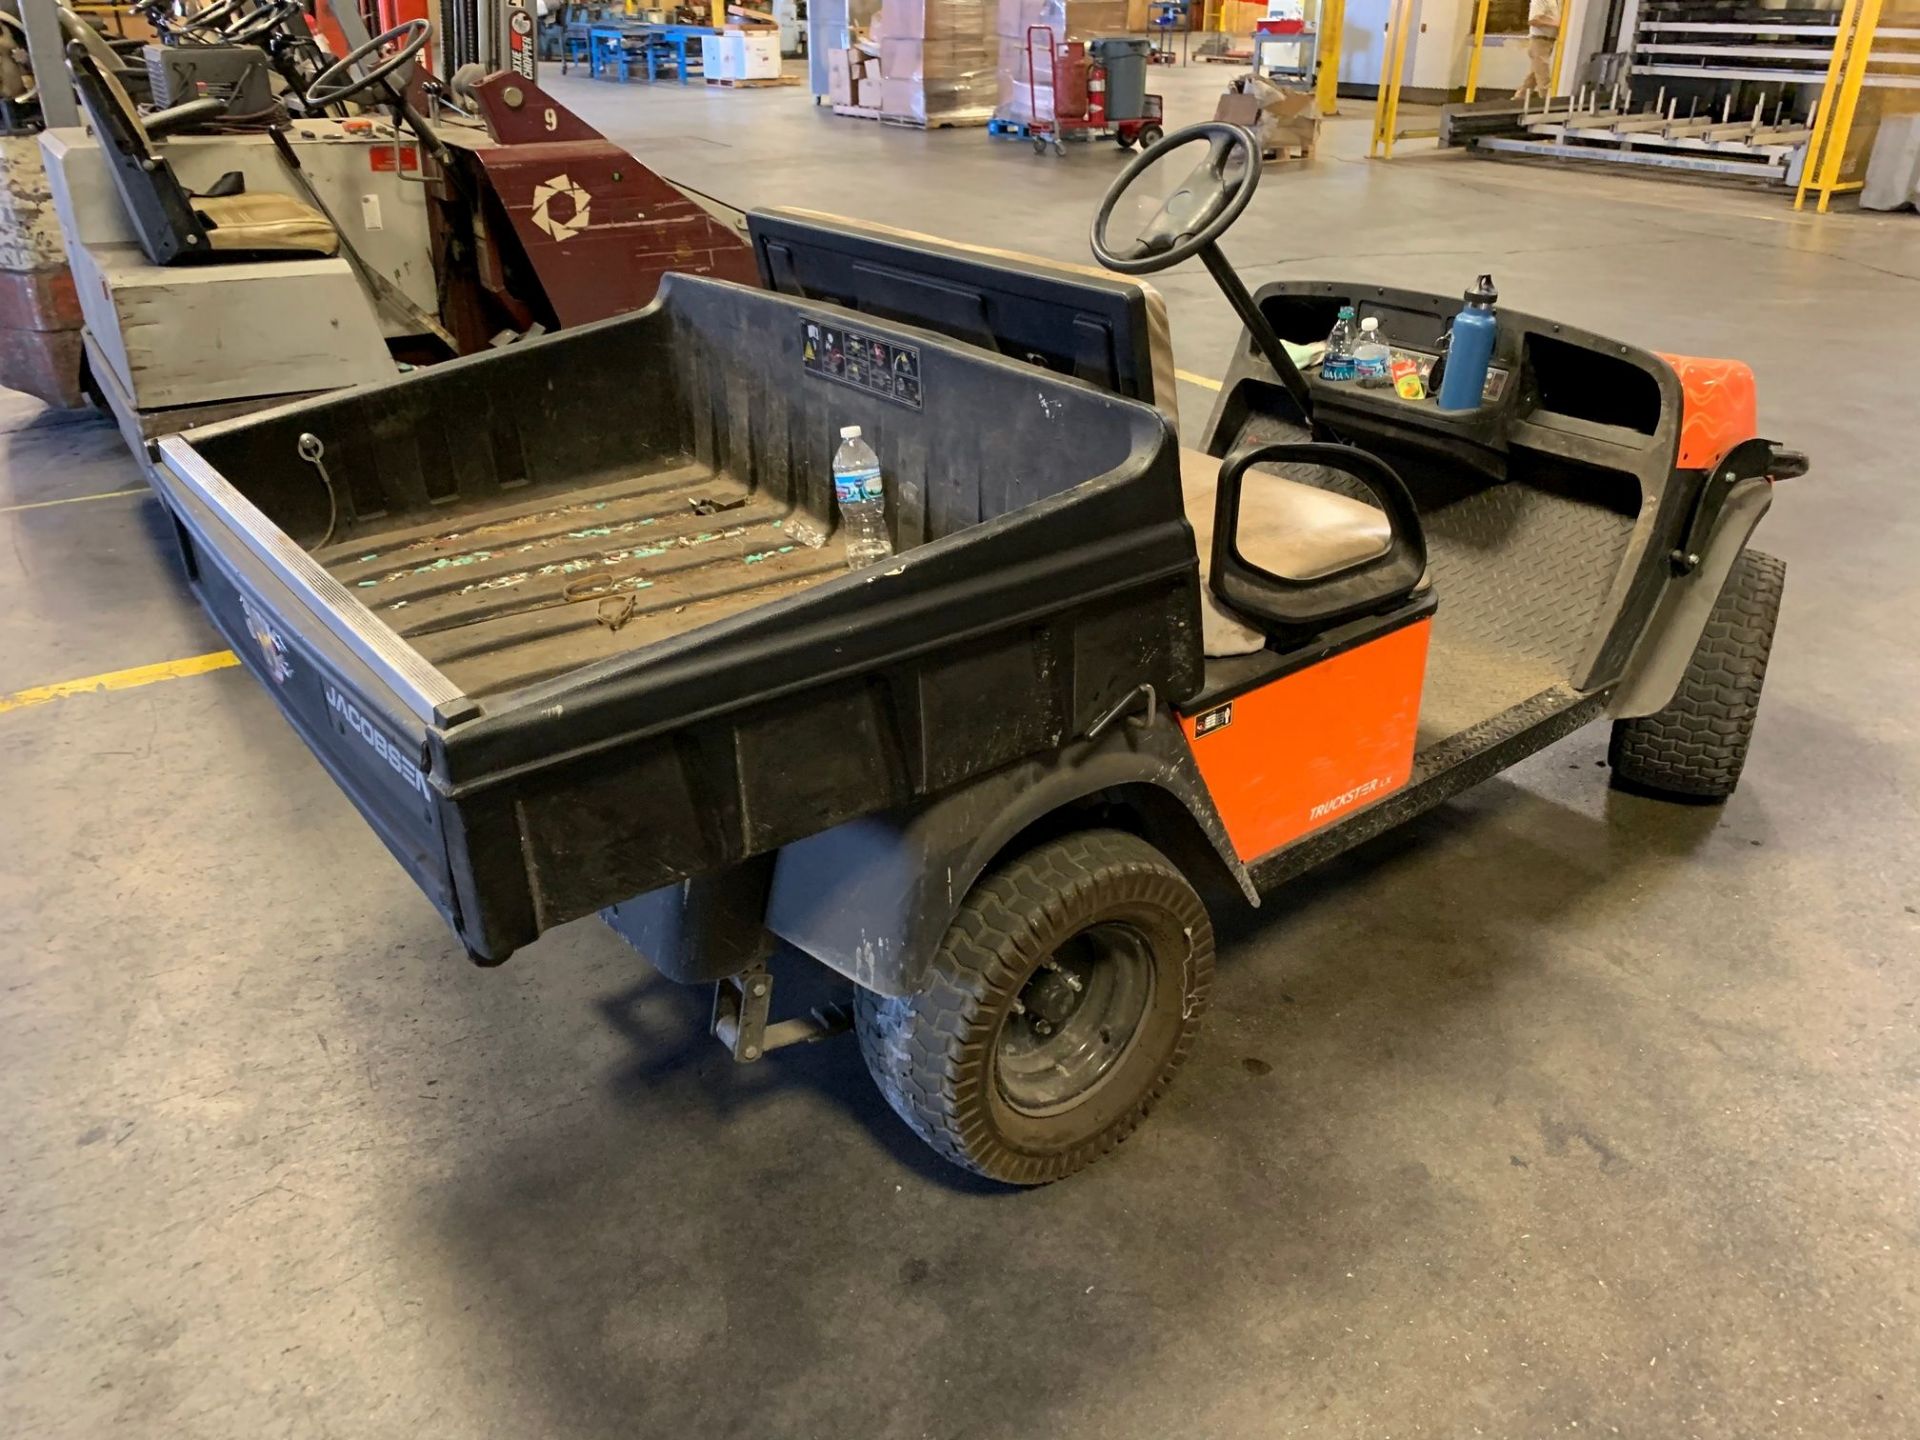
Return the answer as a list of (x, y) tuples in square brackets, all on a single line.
[(1660, 659), (872, 898)]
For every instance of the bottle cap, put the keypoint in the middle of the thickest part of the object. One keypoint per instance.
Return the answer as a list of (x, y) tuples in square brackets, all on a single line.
[(1482, 292), (849, 432), (1370, 323)]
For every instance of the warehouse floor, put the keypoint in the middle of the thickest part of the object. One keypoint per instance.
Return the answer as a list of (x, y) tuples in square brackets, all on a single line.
[(1562, 1112)]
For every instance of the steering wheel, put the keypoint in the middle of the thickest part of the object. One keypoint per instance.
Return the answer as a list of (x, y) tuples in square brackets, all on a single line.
[(264, 21), (1195, 215), (337, 82), (211, 17)]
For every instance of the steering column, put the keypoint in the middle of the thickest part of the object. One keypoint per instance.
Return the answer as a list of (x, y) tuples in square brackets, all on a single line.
[(1190, 223)]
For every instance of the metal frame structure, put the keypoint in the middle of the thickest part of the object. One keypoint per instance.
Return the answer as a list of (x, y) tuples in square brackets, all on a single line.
[(493, 34), (1847, 75), (48, 52), (1777, 139), (1759, 145), (1325, 21)]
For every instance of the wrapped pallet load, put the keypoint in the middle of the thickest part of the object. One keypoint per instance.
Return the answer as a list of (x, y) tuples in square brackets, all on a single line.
[(936, 61)]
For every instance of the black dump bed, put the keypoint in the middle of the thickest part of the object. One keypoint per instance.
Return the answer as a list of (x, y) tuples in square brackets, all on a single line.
[(583, 626)]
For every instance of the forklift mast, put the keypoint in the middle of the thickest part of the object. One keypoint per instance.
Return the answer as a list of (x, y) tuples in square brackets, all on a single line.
[(496, 35)]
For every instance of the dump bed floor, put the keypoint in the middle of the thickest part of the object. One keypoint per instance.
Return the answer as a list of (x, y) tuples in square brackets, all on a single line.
[(517, 592)]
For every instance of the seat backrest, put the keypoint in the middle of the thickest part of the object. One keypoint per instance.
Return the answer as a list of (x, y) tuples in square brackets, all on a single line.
[(157, 203), (1106, 329)]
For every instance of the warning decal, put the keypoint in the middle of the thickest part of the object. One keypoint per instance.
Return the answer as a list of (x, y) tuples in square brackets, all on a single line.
[(880, 367)]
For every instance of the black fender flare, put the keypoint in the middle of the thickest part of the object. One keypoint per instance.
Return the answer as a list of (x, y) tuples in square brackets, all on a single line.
[(872, 898)]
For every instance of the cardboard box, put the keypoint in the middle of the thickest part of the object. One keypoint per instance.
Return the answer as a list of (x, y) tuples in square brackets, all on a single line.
[(1068, 19), (754, 54), (1276, 116), (1237, 109), (842, 76), (935, 19), (1089, 19), (935, 60), (900, 59), (903, 97), (1013, 17), (867, 92)]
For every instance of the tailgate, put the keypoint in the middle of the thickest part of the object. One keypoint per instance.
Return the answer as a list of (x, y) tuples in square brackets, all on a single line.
[(365, 704)]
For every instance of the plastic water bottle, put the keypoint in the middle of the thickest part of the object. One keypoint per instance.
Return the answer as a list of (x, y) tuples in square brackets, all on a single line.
[(1470, 349), (862, 498), (1372, 356), (1337, 363)]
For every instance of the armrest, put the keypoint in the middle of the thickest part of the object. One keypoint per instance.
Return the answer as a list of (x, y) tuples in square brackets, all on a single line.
[(1292, 603), (182, 117)]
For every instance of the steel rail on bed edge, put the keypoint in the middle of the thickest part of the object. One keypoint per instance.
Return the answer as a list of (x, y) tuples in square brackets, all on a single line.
[(426, 692)]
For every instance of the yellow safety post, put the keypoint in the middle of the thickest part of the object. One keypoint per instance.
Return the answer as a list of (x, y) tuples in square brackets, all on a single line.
[(1833, 120), (1559, 49), (1479, 44), (1388, 88), (1386, 105), (1829, 96), (1332, 22)]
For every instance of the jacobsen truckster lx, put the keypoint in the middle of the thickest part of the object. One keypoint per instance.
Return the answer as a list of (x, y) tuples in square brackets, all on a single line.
[(569, 650)]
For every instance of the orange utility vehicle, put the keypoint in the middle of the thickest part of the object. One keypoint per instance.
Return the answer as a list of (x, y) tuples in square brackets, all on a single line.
[(564, 666)]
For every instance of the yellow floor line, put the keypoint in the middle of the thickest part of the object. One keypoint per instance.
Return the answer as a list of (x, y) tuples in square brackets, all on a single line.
[(120, 679), (1193, 379), (72, 500)]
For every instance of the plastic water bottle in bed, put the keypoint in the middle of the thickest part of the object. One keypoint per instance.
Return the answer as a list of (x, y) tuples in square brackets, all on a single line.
[(862, 498)]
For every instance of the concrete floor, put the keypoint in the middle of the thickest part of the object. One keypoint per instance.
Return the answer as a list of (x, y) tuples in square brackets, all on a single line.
[(1562, 1112)]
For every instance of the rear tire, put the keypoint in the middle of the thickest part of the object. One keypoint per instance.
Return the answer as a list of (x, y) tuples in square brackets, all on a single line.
[(1061, 1001), (1696, 748), (1150, 135)]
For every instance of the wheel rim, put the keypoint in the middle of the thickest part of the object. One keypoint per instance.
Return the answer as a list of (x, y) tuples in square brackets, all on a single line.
[(1074, 1020)]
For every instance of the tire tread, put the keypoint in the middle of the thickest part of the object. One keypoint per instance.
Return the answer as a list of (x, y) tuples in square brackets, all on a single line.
[(1698, 745), (928, 1051)]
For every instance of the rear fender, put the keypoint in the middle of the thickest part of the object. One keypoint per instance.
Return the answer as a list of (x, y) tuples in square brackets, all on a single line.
[(873, 897)]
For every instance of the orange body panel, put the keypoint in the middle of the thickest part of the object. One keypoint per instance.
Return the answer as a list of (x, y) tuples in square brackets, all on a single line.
[(1313, 747), (1722, 408)]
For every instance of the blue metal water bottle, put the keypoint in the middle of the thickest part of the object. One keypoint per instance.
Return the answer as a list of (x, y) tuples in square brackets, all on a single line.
[(1471, 349)]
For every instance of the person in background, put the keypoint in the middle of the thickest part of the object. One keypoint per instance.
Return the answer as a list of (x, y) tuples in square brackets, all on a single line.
[(1543, 31)]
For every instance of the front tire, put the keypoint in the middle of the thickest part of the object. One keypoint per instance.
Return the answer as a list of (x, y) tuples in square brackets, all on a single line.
[(1696, 748), (1062, 999)]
